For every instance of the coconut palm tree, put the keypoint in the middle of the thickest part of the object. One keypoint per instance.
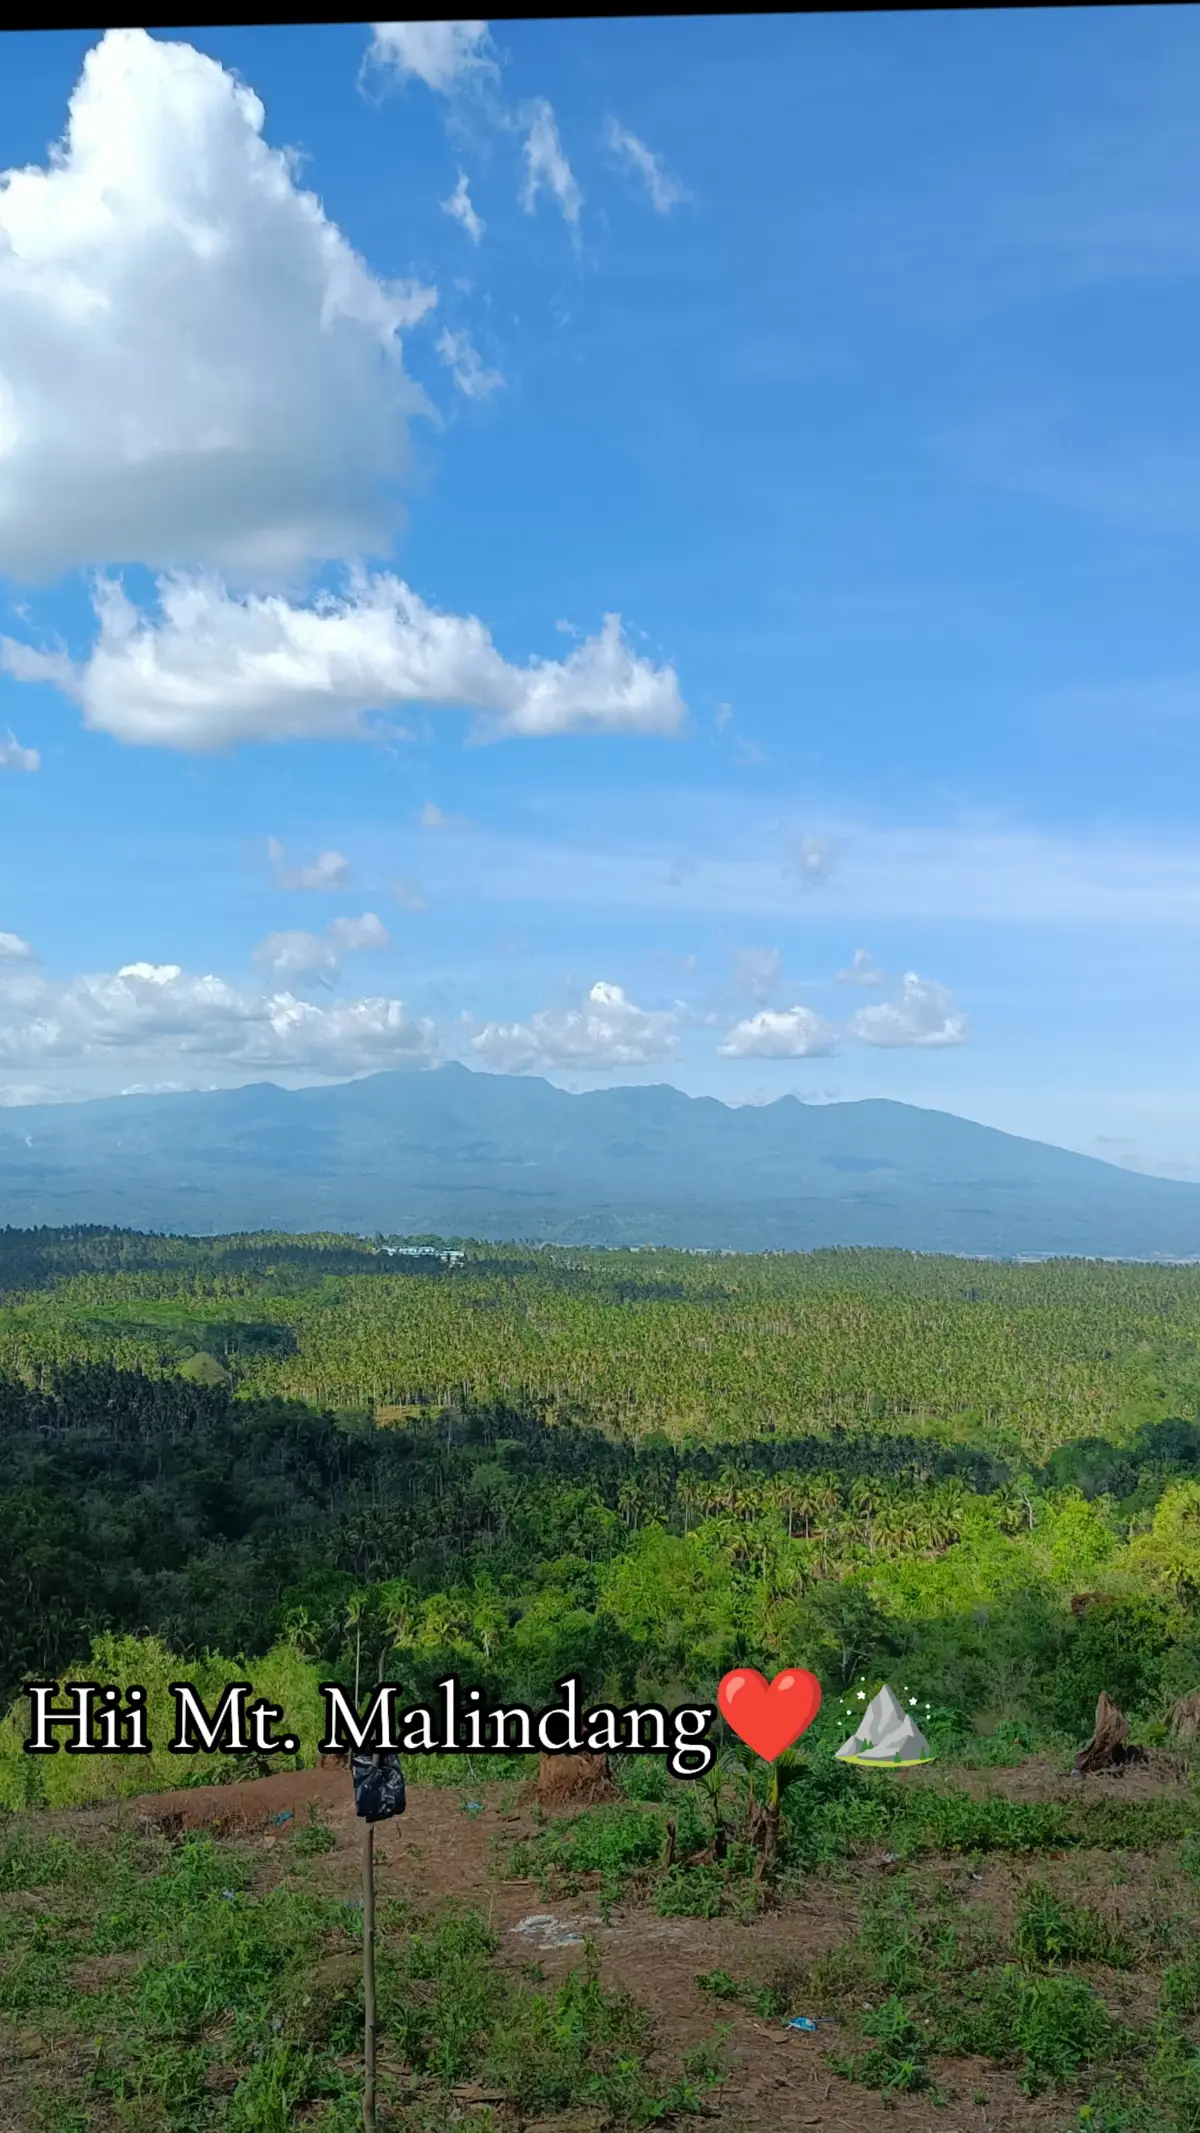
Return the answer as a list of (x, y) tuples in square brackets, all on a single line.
[(356, 1610)]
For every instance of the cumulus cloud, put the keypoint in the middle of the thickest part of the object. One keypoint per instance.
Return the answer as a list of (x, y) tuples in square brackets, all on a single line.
[(440, 54), (458, 352), (925, 1014), (14, 757), (161, 1010), (864, 970), (756, 971), (780, 1033), (319, 955), (460, 206), (608, 1030), (329, 870), (212, 670), (196, 369), (14, 950), (665, 191), (546, 165)]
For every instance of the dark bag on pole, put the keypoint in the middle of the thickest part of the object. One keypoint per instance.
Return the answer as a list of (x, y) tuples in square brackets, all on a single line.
[(378, 1786)]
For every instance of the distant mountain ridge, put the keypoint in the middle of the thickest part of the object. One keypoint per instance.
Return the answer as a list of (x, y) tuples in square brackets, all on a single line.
[(459, 1153)]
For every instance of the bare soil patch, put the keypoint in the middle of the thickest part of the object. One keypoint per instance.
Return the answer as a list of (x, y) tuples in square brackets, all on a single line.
[(439, 1852)]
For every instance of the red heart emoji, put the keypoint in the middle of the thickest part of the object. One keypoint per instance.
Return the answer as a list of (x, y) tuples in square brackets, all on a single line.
[(769, 1716)]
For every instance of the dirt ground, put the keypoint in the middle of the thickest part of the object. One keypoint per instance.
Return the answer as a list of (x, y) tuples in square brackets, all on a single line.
[(439, 1851), (1040, 1777)]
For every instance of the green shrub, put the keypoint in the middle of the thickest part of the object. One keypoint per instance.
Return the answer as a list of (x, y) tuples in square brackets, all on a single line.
[(1119, 1647), (692, 1892)]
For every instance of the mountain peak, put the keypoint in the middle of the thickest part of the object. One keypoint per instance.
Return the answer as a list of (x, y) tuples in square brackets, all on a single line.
[(466, 1153)]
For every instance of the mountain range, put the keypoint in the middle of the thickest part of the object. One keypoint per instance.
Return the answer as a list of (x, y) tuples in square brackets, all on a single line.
[(462, 1154)]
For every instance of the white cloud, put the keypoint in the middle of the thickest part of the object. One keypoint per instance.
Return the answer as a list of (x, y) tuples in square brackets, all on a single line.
[(160, 1011), (780, 1033), (160, 1088), (437, 53), (407, 893), (14, 1095), (351, 934), (607, 1031), (460, 206), (433, 817), (14, 757), (864, 970), (545, 164), (463, 360), (196, 369), (319, 955), (665, 191), (756, 971), (810, 859), (925, 1014), (25, 663), (215, 670), (297, 954), (14, 950), (329, 870)]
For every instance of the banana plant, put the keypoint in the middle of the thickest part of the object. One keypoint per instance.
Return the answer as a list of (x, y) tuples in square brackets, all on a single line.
[(784, 1772)]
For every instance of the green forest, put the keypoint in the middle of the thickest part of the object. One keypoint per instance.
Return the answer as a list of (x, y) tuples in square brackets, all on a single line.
[(290, 1459), (641, 1468)]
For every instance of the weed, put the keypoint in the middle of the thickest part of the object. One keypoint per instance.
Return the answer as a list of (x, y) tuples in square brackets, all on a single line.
[(692, 1892), (315, 1837), (1051, 1931), (897, 2060), (36, 1863), (1053, 2028), (719, 1984), (274, 2086), (244, 2011)]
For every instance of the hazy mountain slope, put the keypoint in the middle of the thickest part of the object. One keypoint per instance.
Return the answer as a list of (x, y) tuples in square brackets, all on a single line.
[(500, 1156)]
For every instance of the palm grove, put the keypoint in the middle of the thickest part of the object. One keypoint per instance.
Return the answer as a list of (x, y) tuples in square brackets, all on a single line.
[(322, 1458)]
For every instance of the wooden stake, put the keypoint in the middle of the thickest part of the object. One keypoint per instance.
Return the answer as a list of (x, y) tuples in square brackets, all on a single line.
[(368, 1857)]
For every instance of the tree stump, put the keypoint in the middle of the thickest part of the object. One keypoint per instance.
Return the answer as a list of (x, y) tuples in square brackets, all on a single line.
[(1108, 1748), (573, 1781), (1184, 1721)]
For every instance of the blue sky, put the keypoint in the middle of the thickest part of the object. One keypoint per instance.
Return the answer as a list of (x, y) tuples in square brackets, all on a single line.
[(351, 377)]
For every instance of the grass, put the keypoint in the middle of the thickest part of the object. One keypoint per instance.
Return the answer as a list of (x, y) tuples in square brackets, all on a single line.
[(151, 1986), (926, 1981), (158, 1987)]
